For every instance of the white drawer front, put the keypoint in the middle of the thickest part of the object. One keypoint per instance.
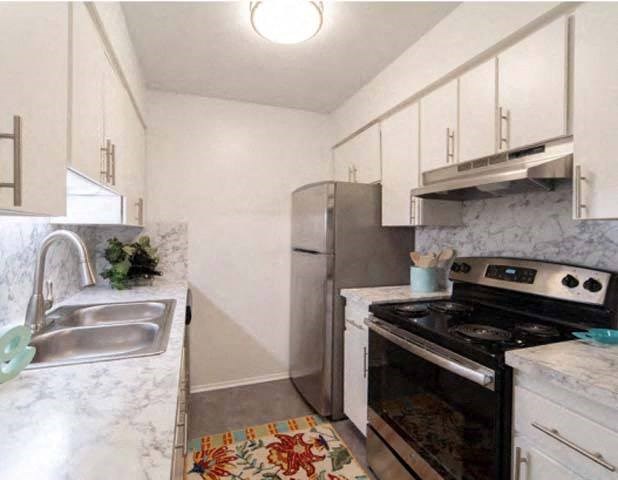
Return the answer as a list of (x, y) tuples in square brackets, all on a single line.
[(566, 436)]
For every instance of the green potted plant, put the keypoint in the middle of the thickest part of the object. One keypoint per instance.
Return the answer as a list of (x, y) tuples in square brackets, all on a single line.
[(131, 263)]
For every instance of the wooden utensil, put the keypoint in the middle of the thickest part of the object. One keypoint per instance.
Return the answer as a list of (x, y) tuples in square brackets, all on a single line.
[(445, 256), (416, 258)]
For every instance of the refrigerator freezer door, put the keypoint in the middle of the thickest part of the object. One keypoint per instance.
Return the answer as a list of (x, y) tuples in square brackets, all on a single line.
[(312, 217), (311, 328)]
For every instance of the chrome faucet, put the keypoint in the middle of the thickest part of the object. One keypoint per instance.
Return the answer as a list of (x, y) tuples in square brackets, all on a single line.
[(35, 315)]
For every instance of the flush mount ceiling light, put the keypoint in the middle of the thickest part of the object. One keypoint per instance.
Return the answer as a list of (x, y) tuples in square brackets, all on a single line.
[(286, 21)]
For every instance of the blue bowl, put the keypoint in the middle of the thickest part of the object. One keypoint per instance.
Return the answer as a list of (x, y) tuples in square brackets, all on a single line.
[(600, 335)]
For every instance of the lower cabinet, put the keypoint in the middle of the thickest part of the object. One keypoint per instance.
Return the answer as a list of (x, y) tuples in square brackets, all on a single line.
[(355, 377), (181, 433), (558, 434)]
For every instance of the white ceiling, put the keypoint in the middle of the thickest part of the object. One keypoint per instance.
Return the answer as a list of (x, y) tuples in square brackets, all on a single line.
[(210, 49)]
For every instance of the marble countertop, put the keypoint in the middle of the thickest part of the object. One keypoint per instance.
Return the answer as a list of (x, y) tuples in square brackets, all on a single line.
[(401, 293), (106, 420), (585, 369)]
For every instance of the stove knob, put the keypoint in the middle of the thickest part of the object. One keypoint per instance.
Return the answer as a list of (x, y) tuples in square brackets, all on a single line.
[(570, 281), (593, 285), (465, 268), (455, 267)]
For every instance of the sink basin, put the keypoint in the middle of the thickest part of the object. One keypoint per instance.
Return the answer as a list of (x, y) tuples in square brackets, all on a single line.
[(94, 333), (112, 313)]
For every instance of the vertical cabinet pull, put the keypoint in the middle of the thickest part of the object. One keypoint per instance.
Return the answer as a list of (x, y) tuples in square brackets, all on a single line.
[(412, 210), (579, 205), (365, 369), (113, 164), (504, 117), (140, 211), (519, 460), (450, 145), (106, 163), (16, 184)]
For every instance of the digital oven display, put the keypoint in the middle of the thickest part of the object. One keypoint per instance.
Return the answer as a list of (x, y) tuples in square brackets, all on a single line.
[(511, 274)]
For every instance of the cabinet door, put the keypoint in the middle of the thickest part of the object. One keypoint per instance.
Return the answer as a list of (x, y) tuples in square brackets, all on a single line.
[(535, 465), (366, 154), (89, 64), (532, 87), (358, 159), (400, 165), (343, 163), (477, 112), (34, 85), (595, 117), (438, 127), (116, 123), (132, 172), (355, 376)]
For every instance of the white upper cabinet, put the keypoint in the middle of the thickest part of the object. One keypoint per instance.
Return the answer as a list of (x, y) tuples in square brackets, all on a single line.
[(358, 159), (88, 116), (108, 138), (34, 54), (401, 173), (532, 87), (477, 112), (595, 117), (343, 163), (438, 127), (400, 165)]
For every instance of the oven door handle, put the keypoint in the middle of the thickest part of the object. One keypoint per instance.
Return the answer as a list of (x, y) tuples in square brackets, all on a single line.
[(439, 356)]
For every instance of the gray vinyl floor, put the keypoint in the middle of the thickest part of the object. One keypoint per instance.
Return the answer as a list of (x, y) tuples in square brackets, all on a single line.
[(240, 407)]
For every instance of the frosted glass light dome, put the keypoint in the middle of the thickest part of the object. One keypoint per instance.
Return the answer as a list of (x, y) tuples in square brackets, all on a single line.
[(286, 21)]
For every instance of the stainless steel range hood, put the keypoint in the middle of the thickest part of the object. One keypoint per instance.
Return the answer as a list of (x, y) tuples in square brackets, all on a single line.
[(530, 169)]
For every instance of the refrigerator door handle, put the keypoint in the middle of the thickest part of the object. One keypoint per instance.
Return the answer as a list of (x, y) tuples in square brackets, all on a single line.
[(304, 250)]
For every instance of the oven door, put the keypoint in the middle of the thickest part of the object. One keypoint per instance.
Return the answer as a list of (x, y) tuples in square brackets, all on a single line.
[(439, 412)]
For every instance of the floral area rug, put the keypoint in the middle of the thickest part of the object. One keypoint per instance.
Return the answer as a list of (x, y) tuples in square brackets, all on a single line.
[(305, 448)]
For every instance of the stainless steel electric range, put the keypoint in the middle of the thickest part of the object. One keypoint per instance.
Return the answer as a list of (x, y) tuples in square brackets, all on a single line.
[(439, 390)]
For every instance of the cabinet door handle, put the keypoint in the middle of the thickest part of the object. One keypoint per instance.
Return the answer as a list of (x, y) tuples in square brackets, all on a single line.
[(596, 457), (412, 210), (365, 369), (504, 135), (519, 460), (577, 186), (354, 171), (349, 174), (105, 170), (113, 162), (140, 211), (16, 184), (450, 145)]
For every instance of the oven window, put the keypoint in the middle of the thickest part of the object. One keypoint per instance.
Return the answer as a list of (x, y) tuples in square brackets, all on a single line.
[(451, 422)]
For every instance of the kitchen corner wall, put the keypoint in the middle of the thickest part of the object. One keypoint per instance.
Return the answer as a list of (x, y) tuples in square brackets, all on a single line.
[(20, 239), (534, 225), (228, 169)]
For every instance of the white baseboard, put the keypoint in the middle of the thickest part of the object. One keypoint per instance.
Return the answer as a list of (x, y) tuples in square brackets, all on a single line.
[(208, 387)]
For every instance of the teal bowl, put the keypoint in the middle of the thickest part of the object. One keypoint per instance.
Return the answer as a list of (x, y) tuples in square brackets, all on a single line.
[(600, 335)]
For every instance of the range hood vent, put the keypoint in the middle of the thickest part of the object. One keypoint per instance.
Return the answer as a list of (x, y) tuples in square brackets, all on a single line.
[(536, 168)]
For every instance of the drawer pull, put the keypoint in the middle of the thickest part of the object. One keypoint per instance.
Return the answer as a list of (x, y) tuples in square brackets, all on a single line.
[(594, 456)]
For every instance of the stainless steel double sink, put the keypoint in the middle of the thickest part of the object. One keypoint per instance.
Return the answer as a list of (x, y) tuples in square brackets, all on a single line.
[(94, 333)]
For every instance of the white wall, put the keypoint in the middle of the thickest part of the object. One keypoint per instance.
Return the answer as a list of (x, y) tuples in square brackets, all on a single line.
[(228, 168), (471, 30)]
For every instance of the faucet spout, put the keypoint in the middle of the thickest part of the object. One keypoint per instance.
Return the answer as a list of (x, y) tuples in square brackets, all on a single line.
[(35, 314)]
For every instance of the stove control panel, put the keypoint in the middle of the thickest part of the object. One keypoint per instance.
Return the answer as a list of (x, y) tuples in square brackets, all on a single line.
[(510, 273), (561, 281)]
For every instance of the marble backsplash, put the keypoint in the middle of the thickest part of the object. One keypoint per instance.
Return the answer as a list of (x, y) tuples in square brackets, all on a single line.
[(20, 239), (533, 225)]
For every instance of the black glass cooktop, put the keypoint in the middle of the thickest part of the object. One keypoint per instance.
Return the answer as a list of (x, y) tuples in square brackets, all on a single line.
[(476, 330)]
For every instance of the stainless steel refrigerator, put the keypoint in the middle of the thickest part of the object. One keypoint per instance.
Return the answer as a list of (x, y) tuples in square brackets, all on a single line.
[(337, 242)]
